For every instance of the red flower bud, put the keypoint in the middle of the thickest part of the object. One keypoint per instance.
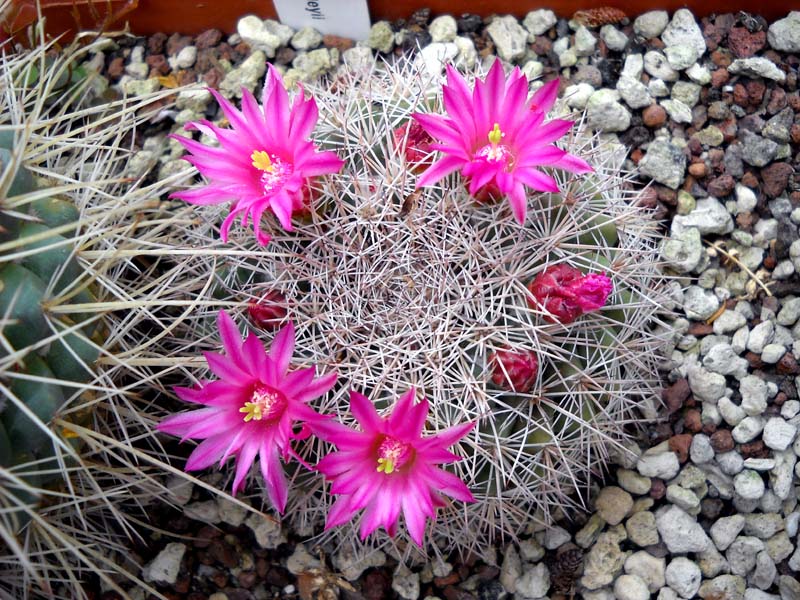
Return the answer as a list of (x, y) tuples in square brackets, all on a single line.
[(566, 293), (515, 371), (269, 312), (415, 144)]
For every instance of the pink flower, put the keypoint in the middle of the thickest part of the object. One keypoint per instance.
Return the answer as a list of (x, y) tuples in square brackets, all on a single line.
[(263, 162), (498, 138), (566, 293), (388, 466), (515, 371), (251, 409)]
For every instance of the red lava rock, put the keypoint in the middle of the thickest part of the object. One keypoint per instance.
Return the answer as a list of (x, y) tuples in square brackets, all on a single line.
[(754, 360), (454, 593), (729, 129), (793, 100), (722, 440), (666, 195), (755, 91), (750, 180), (155, 43), (679, 444), (220, 579), (213, 78), (648, 198), (205, 535), (657, 489), (177, 42), (262, 566), (780, 398), (451, 579), (693, 421), (744, 44), (776, 178), (541, 45), (338, 42), (770, 262), (223, 553), (675, 395), (755, 449), (740, 95), (206, 59), (654, 116), (709, 428), (278, 576), (694, 145), (116, 68), (208, 39), (375, 585), (247, 579), (777, 101), (719, 77), (721, 57), (182, 584), (700, 329), (787, 365), (158, 63), (637, 155), (794, 132), (713, 36), (697, 170), (721, 186)]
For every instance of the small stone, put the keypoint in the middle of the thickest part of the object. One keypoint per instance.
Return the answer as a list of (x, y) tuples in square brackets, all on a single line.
[(683, 576), (681, 57), (589, 533), (681, 532), (754, 395), (763, 526), (268, 532), (315, 63), (576, 95), (634, 92), (405, 583), (725, 530), (760, 336), (728, 322), (207, 512), (651, 24), (728, 587), (684, 31), (632, 482), (248, 74), (756, 150), (351, 564), (742, 554), (603, 562), (748, 429), (605, 113), (663, 465), (511, 569), (765, 571), (539, 22), (722, 359), (509, 38), (443, 29), (166, 566), (585, 42), (705, 385), (657, 66), (654, 116), (253, 31), (531, 551), (700, 450), (231, 512), (534, 583), (710, 136), (784, 34), (749, 485), (555, 537), (435, 56), (301, 561), (630, 587), (641, 528), (649, 568), (306, 38), (779, 434), (613, 504), (381, 37), (757, 67), (772, 353), (683, 498), (614, 38), (665, 163)]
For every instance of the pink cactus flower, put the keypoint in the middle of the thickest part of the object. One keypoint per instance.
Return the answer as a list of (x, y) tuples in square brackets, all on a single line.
[(411, 140), (264, 162), (498, 138), (388, 466), (251, 409), (514, 370), (566, 293)]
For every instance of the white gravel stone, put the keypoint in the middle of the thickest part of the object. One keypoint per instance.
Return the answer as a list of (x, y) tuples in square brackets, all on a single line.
[(268, 532), (585, 42), (406, 583), (709, 216), (614, 38), (680, 531), (706, 386), (728, 322), (683, 498), (207, 511), (701, 450), (657, 65), (747, 430), (772, 353), (784, 34), (722, 359), (731, 413), (754, 594), (306, 38), (781, 475), (648, 567), (779, 434), (166, 566), (754, 395), (630, 587), (253, 31), (511, 569), (555, 537), (534, 583), (681, 57), (351, 564), (651, 24), (605, 113), (684, 30), (749, 484), (741, 554), (699, 304), (757, 66), (633, 67), (613, 504), (531, 551), (634, 92), (509, 37), (538, 22), (725, 530), (301, 560), (578, 95), (760, 336), (641, 528), (683, 576), (763, 525), (443, 29), (663, 465)]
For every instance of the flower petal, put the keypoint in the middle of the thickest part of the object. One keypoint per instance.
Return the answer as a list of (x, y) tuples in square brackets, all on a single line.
[(439, 170), (283, 348)]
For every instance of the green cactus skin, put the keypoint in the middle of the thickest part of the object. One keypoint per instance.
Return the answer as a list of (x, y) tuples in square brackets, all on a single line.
[(21, 299)]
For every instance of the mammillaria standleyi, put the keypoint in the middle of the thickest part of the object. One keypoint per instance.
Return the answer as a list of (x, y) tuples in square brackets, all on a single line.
[(395, 286)]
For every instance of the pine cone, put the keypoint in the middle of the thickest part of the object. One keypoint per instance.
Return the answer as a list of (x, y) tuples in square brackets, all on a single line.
[(564, 568), (597, 17)]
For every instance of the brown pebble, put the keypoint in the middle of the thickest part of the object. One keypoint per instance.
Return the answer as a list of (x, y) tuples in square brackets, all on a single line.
[(721, 186), (675, 395), (776, 178), (158, 63), (754, 360), (721, 57), (755, 449), (722, 441), (697, 169), (116, 68), (454, 593), (155, 43), (795, 133), (770, 262), (213, 78), (693, 421), (719, 77), (177, 42), (657, 489), (750, 180), (777, 100), (338, 42), (654, 116), (779, 399), (787, 365), (451, 579), (709, 428), (208, 39), (740, 95), (745, 220), (744, 44), (755, 91), (247, 579), (679, 444), (700, 329)]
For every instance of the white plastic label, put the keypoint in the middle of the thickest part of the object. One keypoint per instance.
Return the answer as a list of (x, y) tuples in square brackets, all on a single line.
[(346, 18)]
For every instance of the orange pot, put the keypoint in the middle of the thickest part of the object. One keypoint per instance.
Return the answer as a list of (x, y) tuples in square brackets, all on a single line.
[(193, 16)]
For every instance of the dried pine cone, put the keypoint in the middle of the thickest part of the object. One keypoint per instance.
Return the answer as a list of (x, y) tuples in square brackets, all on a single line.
[(597, 17), (564, 568)]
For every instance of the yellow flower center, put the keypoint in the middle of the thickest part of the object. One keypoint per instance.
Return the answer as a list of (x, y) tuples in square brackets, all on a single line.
[(262, 161), (265, 403), (392, 454), (495, 135)]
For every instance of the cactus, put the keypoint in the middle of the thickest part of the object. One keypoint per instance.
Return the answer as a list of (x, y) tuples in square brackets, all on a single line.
[(67, 486), (393, 288)]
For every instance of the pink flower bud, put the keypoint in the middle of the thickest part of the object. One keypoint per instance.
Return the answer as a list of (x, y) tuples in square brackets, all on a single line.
[(566, 293), (414, 142), (515, 371), (269, 312)]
